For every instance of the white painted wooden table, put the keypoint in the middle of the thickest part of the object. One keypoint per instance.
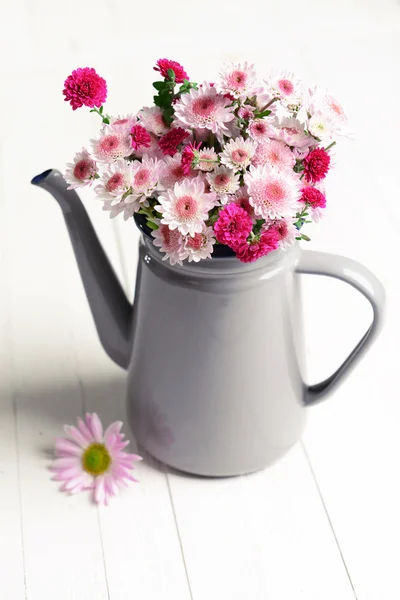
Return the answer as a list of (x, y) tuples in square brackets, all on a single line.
[(324, 523)]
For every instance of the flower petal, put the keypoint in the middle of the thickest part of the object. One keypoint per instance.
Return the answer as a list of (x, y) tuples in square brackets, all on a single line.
[(76, 435), (111, 430), (66, 447), (99, 490), (84, 429), (66, 462), (96, 427)]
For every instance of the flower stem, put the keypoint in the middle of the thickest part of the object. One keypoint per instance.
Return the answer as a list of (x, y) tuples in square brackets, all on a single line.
[(105, 118), (268, 105), (330, 146)]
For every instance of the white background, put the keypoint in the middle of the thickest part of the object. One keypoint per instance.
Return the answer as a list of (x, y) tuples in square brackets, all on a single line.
[(324, 523)]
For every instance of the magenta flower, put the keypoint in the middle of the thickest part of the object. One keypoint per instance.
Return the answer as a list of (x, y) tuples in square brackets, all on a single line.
[(85, 87), (140, 137), (93, 460), (313, 196), (188, 157), (163, 64), (251, 251), (172, 139), (233, 226), (316, 165)]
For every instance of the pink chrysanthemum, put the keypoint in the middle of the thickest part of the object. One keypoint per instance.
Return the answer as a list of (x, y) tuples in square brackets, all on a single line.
[(140, 137), (223, 180), (115, 184), (146, 176), (238, 80), (171, 140), (163, 64), (313, 196), (241, 198), (327, 115), (287, 231), (82, 171), (112, 143), (250, 251), (172, 171), (186, 206), (287, 89), (238, 153), (190, 157), (246, 112), (171, 242), (91, 459), (290, 131), (84, 87), (152, 119), (201, 245), (258, 129), (316, 165), (233, 226), (275, 154), (207, 159), (273, 193), (204, 108)]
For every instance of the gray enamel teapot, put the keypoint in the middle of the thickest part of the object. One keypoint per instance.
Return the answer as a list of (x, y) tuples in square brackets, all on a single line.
[(212, 348)]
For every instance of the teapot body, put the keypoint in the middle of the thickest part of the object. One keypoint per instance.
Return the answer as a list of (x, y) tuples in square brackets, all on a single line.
[(215, 382)]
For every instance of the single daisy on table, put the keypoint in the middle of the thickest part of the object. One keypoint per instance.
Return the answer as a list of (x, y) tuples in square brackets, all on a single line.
[(90, 459)]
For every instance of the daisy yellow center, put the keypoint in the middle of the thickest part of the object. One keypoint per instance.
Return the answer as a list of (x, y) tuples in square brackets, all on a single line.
[(96, 459)]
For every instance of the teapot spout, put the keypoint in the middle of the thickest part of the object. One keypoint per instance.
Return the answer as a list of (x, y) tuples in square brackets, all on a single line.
[(110, 308)]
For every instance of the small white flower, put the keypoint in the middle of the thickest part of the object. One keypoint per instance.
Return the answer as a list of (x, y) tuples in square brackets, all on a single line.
[(290, 131), (82, 171), (237, 153), (186, 206), (326, 114)]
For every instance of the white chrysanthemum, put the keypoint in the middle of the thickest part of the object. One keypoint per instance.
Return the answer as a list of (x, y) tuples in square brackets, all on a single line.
[(208, 159), (82, 171), (238, 80), (238, 153), (273, 153), (329, 112), (115, 185), (273, 193), (287, 89), (223, 181), (204, 108), (290, 131), (112, 143), (320, 127), (152, 119), (146, 176), (171, 242), (201, 245), (186, 206)]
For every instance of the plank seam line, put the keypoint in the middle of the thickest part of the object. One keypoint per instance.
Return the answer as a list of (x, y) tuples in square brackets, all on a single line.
[(179, 535), (328, 518)]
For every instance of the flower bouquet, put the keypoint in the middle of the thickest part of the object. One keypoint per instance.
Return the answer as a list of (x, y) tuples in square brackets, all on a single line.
[(235, 167)]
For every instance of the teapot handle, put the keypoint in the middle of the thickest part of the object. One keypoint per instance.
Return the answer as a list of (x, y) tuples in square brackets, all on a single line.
[(358, 276)]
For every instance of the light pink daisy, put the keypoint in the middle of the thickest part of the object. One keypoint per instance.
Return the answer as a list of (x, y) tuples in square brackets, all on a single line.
[(201, 245), (287, 89), (204, 108), (115, 185), (112, 143), (91, 459), (128, 210), (172, 171), (82, 171), (246, 112), (152, 119), (186, 206), (273, 193), (238, 80), (223, 181), (274, 153), (290, 131), (146, 176), (207, 159), (258, 129), (286, 229), (171, 242), (237, 153)]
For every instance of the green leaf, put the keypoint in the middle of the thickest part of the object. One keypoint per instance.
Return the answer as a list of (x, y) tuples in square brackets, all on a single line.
[(305, 237), (159, 85), (157, 100), (168, 114), (171, 74), (264, 113), (101, 110)]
